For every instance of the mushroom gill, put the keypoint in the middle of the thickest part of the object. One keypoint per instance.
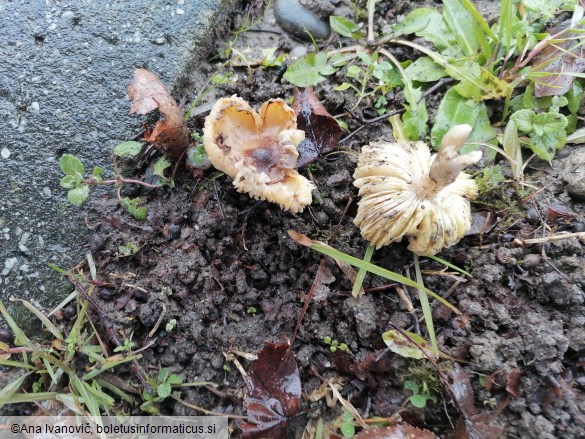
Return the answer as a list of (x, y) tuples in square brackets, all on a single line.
[(258, 150), (407, 192)]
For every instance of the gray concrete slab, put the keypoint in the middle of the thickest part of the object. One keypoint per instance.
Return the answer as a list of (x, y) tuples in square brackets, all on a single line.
[(64, 69)]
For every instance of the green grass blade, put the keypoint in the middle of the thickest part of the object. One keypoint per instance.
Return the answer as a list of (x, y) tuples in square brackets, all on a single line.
[(10, 363), (450, 265), (116, 390), (426, 308), (359, 279), (505, 24), (44, 320), (49, 369), (11, 388), (20, 338), (109, 365), (88, 400), (482, 23), (336, 254), (19, 398)]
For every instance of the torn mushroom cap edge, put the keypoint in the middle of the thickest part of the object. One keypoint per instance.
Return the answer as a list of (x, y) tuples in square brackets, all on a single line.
[(226, 149)]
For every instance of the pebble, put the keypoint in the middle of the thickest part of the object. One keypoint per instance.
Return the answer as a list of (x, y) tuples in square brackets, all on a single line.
[(574, 167), (9, 265), (67, 15), (299, 22), (5, 153)]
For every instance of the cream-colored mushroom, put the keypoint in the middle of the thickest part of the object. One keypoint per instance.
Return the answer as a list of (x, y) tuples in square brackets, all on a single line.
[(258, 150), (406, 191)]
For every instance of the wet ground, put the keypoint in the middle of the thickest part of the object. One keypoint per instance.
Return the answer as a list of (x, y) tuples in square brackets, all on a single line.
[(63, 77)]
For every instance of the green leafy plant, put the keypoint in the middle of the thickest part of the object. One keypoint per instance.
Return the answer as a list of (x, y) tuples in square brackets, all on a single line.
[(133, 207), (483, 63), (74, 180), (127, 345), (420, 394), (162, 388), (128, 249), (78, 184), (334, 344), (490, 178), (347, 426), (129, 149)]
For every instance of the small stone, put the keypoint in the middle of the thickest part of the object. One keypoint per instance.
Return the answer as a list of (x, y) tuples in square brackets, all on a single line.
[(67, 15), (9, 265), (531, 261), (34, 107), (180, 11), (5, 153), (574, 167)]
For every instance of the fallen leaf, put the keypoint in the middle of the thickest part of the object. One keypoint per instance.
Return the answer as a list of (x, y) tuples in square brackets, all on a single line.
[(477, 430), (322, 133), (557, 214), (400, 431), (561, 58), (512, 382), (148, 93), (461, 391), (471, 425), (402, 343), (274, 392), (481, 222)]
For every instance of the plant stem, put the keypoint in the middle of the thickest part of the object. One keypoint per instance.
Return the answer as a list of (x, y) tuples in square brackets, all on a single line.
[(371, 9), (426, 307), (359, 280), (372, 268), (120, 180)]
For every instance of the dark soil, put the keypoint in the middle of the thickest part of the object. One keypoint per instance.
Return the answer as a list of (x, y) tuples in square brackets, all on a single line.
[(223, 266)]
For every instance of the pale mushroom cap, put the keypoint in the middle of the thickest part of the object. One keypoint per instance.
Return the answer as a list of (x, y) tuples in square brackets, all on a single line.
[(258, 150), (407, 192)]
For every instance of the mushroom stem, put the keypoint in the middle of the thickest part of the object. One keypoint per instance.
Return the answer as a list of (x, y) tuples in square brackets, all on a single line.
[(448, 163)]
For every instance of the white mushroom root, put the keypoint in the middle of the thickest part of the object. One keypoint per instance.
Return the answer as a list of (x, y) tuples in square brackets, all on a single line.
[(407, 192), (258, 150)]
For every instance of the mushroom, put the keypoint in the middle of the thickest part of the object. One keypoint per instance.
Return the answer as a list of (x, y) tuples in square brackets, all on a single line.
[(258, 150), (407, 192)]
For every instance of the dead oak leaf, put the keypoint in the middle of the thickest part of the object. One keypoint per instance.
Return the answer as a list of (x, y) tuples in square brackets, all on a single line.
[(561, 58), (274, 392), (148, 93), (322, 132)]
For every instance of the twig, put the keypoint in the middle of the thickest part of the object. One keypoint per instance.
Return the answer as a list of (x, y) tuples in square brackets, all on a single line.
[(371, 10), (120, 180), (551, 238), (159, 321), (207, 412), (218, 199)]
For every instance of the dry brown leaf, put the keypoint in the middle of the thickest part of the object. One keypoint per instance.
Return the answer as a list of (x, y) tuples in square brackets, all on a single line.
[(322, 132), (563, 55), (274, 392), (512, 382), (148, 93)]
